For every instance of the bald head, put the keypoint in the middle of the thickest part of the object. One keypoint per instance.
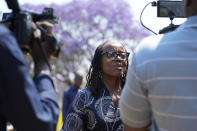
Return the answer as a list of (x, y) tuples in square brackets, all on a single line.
[(190, 7)]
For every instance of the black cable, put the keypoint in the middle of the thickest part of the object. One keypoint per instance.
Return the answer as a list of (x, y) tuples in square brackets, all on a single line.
[(141, 17)]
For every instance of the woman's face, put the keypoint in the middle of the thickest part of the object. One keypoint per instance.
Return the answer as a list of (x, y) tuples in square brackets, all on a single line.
[(114, 59)]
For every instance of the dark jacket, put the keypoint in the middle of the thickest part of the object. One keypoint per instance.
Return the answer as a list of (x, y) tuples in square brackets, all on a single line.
[(30, 105), (69, 96)]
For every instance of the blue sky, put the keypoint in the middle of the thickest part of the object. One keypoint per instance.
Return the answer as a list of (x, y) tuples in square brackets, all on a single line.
[(149, 18)]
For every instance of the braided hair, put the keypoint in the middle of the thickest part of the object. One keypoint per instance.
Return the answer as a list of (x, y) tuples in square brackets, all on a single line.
[(94, 76)]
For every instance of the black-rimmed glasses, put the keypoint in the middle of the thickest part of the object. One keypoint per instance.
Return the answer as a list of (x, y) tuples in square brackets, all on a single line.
[(114, 55)]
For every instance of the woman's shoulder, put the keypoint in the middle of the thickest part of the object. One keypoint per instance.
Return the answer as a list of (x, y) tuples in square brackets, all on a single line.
[(85, 90), (82, 100), (84, 94)]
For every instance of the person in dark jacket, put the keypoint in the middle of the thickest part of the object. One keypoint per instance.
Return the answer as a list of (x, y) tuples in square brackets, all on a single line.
[(70, 93), (28, 104)]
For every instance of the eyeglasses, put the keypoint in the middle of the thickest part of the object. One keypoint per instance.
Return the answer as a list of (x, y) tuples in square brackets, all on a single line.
[(114, 55)]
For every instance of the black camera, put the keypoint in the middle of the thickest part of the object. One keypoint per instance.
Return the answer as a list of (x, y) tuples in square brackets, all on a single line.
[(20, 23)]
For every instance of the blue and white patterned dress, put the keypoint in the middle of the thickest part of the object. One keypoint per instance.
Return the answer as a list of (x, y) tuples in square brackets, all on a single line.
[(90, 113)]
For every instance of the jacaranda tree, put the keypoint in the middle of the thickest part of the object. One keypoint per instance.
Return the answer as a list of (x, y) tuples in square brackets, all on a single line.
[(86, 23)]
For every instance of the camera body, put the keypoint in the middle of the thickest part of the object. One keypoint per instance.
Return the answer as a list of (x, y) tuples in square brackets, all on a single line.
[(170, 9), (20, 23), (167, 8)]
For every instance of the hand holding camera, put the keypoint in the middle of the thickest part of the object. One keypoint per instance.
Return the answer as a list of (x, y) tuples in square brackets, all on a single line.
[(34, 33), (42, 50)]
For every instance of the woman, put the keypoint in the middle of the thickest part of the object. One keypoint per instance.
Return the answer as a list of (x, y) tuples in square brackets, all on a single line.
[(95, 107)]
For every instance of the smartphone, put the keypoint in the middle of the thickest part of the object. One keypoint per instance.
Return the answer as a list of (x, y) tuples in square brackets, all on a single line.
[(166, 8)]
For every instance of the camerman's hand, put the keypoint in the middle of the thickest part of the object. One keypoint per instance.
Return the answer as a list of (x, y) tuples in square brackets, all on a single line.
[(47, 26), (37, 53)]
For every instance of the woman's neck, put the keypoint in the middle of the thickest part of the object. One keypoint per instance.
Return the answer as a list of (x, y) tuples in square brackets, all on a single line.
[(112, 83)]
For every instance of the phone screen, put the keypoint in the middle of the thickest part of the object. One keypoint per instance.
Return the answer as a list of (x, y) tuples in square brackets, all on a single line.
[(170, 8)]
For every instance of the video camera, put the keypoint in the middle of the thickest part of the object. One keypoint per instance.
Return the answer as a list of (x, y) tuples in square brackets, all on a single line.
[(170, 9), (20, 23), (167, 9)]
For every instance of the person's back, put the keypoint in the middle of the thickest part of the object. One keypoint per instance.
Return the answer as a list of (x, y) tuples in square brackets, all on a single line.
[(169, 75), (161, 84), (68, 97), (70, 93), (29, 105)]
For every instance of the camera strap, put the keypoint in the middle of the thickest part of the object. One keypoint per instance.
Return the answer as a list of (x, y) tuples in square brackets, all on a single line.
[(44, 54)]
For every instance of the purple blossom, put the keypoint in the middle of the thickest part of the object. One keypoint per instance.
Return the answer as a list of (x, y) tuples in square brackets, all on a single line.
[(83, 22)]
